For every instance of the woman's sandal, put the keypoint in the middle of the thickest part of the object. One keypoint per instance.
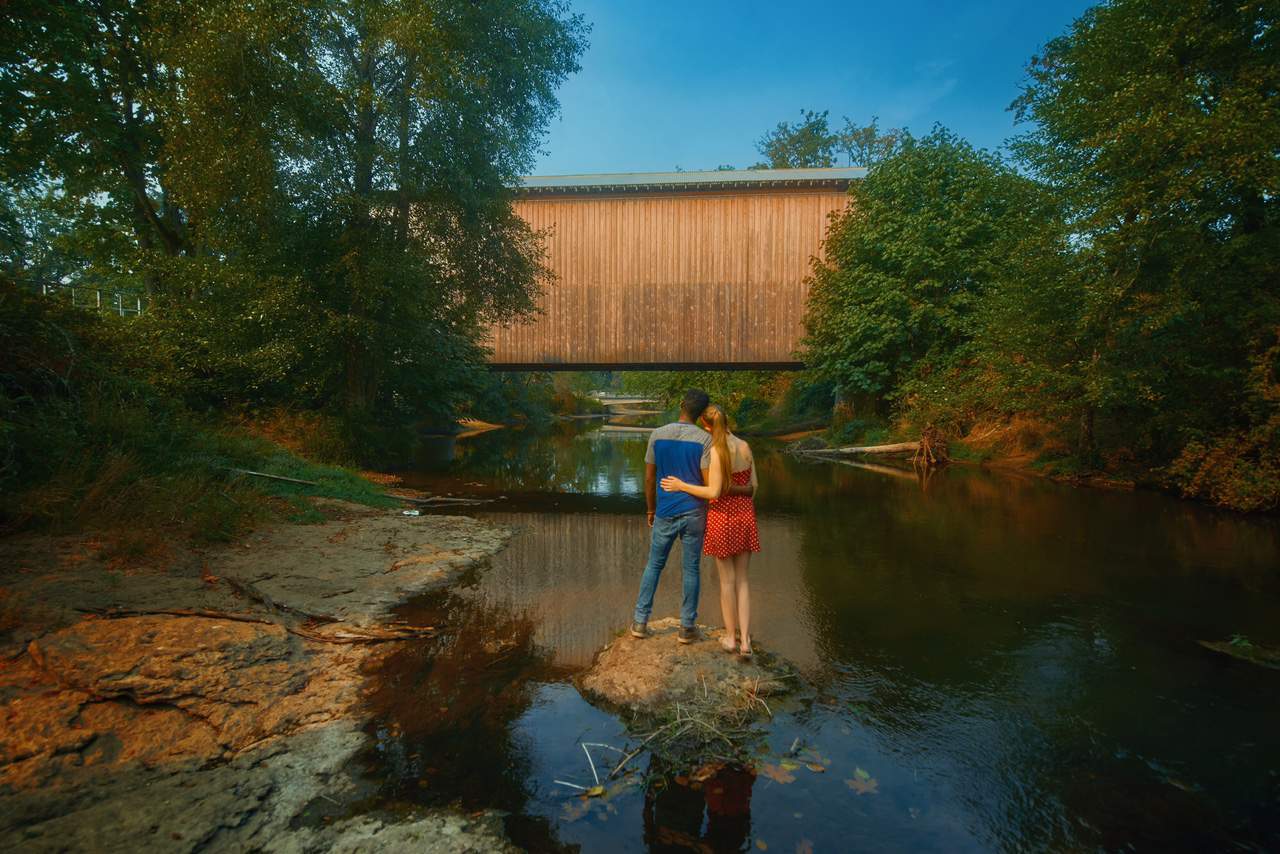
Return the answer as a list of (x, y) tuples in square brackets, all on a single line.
[(745, 654), (731, 648)]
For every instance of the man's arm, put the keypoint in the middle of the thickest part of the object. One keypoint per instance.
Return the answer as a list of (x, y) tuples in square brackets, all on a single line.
[(651, 490)]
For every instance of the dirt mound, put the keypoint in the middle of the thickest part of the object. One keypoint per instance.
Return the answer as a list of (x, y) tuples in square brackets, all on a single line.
[(654, 674)]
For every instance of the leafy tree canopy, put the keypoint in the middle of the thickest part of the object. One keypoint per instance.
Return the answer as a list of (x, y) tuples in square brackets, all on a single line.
[(314, 193), (926, 233)]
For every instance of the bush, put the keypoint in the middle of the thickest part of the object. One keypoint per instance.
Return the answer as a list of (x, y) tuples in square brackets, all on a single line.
[(86, 443)]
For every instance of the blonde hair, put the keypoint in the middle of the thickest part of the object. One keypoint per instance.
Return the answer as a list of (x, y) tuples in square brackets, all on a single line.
[(719, 424)]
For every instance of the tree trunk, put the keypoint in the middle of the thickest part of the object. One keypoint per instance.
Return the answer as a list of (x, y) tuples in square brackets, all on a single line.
[(406, 116), (1086, 433), (358, 391)]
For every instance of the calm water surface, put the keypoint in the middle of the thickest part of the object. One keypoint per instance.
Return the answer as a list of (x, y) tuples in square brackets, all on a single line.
[(1000, 663)]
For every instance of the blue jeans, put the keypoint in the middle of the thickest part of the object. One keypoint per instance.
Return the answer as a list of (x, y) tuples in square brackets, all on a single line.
[(690, 528)]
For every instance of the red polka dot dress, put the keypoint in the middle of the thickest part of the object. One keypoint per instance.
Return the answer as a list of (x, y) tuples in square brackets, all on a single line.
[(731, 522)]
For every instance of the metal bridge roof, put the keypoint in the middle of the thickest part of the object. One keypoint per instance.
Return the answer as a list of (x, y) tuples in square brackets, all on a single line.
[(702, 180)]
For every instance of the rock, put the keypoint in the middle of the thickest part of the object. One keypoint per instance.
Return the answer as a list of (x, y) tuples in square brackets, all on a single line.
[(184, 733), (653, 674), (357, 570), (435, 831), (809, 443), (159, 689)]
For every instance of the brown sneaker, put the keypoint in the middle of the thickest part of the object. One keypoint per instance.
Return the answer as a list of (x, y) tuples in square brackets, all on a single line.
[(687, 635), (639, 630)]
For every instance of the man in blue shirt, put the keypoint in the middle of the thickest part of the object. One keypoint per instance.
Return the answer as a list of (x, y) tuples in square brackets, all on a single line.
[(682, 449)]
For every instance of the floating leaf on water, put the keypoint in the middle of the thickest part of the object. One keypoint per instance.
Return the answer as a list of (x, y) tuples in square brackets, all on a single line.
[(762, 845), (804, 846), (815, 767), (777, 774), (789, 765), (863, 787), (813, 755), (861, 774), (594, 792)]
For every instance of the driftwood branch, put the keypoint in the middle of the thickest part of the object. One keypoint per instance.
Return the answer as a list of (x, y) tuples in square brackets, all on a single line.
[(895, 448), (246, 589), (118, 613), (434, 499), (440, 499), (275, 477), (353, 634), (365, 634)]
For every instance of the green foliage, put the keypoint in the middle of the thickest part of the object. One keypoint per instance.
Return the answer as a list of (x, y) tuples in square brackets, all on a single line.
[(1156, 125), (1118, 308), (756, 401), (808, 143), (812, 143), (926, 234), (86, 442), (316, 195)]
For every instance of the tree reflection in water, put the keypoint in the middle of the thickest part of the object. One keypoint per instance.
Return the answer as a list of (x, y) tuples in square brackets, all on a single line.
[(443, 712)]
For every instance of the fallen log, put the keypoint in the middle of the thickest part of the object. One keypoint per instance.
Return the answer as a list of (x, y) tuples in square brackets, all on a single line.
[(440, 499), (895, 448)]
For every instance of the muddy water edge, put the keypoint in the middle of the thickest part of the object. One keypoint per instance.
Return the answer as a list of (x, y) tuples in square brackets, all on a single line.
[(997, 662)]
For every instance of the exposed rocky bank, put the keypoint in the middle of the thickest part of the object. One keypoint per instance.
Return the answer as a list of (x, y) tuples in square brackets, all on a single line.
[(215, 703)]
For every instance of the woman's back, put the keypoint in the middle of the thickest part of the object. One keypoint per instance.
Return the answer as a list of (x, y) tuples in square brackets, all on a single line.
[(739, 454)]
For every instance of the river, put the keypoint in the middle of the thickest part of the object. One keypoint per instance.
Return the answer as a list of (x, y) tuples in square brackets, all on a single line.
[(999, 662)]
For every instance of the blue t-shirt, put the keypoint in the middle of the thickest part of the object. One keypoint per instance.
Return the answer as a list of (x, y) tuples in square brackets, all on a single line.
[(683, 450)]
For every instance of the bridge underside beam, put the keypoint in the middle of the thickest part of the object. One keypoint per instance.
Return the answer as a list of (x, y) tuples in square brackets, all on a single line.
[(651, 366)]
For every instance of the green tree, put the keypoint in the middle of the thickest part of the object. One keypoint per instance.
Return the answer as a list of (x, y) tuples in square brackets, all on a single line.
[(866, 145), (926, 234), (316, 193), (807, 143), (1157, 124)]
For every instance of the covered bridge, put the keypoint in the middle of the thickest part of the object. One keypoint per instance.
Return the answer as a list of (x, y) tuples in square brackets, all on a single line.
[(673, 270)]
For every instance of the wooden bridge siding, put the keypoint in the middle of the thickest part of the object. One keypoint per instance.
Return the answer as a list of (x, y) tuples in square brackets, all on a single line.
[(640, 279)]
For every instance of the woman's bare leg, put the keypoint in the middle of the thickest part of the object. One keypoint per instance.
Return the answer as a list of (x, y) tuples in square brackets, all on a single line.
[(728, 602), (743, 590)]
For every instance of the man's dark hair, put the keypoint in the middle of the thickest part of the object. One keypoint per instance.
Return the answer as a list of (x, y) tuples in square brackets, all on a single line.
[(695, 403)]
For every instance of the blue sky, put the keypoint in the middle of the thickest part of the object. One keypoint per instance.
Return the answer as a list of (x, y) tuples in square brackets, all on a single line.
[(694, 84)]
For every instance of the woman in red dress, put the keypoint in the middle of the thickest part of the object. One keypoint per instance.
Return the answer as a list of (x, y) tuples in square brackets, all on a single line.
[(731, 524)]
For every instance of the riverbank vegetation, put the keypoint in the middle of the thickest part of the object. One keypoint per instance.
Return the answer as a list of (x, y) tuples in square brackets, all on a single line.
[(88, 442), (308, 205), (313, 208), (1104, 299)]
